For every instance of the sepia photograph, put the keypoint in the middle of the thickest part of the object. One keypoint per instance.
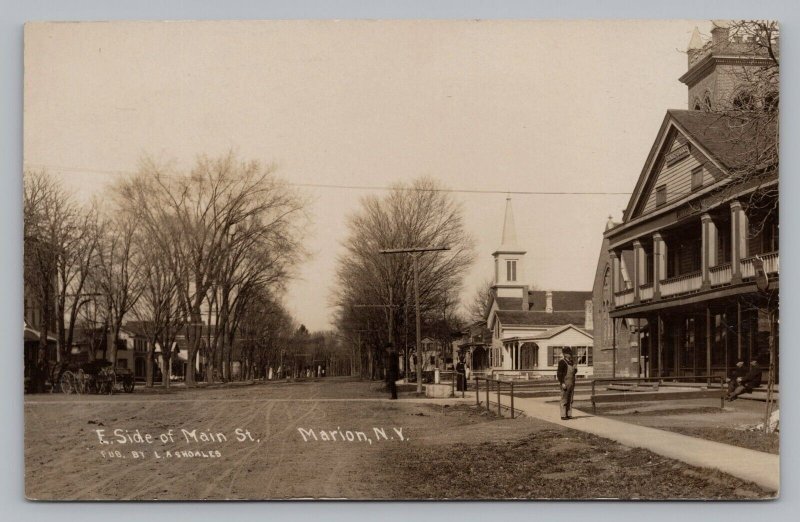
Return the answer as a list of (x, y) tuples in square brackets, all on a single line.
[(401, 260)]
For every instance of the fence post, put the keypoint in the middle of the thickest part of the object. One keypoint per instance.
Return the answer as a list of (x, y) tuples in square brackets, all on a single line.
[(477, 392), (512, 399), (722, 393), (499, 410), (488, 385)]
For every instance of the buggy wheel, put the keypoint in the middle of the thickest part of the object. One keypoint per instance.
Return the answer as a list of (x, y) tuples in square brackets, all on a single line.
[(110, 382), (128, 385), (67, 383), (81, 384)]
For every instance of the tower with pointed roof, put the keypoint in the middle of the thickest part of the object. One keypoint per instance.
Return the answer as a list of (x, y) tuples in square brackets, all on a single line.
[(509, 265), (720, 72)]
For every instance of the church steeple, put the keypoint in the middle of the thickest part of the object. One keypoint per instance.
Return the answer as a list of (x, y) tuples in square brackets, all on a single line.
[(509, 257), (509, 229)]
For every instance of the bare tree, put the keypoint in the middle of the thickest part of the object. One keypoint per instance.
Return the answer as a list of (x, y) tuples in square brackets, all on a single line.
[(419, 214), (478, 306), (60, 244), (224, 227), (116, 278)]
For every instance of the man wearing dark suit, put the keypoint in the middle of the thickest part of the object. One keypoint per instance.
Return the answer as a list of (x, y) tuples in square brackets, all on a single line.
[(750, 381), (566, 378), (736, 376)]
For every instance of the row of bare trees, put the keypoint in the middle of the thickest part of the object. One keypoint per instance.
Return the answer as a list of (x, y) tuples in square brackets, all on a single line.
[(375, 300), (199, 255)]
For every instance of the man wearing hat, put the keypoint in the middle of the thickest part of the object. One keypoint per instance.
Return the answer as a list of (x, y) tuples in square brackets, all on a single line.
[(735, 377), (566, 377), (749, 382)]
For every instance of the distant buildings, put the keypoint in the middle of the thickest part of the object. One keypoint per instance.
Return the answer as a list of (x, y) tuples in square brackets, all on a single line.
[(676, 286)]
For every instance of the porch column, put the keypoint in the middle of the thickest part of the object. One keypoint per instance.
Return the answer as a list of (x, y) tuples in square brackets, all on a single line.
[(638, 268), (709, 247), (739, 247), (708, 341), (615, 272), (659, 263)]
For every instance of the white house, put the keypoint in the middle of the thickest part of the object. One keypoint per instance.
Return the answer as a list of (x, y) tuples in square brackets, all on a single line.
[(530, 327)]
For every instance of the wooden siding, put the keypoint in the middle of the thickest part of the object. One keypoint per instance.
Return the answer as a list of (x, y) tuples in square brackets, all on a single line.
[(677, 177)]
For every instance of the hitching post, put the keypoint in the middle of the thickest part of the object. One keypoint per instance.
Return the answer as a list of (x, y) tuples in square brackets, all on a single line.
[(499, 411), (512, 399)]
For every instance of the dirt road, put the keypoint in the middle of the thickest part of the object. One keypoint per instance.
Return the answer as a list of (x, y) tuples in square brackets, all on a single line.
[(327, 439)]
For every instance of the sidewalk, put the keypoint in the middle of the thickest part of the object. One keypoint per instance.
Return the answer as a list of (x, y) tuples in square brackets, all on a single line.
[(754, 466)]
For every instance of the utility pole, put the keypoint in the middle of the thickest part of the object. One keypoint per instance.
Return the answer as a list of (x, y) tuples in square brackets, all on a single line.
[(415, 252)]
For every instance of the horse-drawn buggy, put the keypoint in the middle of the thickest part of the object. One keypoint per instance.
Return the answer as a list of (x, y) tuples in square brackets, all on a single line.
[(92, 377)]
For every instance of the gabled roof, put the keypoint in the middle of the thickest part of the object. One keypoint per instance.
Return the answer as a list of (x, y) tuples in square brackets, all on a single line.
[(539, 318), (563, 300), (552, 332), (728, 140)]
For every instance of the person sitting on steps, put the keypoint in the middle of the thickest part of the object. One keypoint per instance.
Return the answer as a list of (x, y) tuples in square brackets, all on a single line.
[(749, 382)]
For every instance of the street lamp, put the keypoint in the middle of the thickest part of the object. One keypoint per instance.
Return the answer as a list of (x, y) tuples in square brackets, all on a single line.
[(415, 252)]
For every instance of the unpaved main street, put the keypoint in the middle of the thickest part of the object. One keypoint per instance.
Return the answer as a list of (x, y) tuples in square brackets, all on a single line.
[(353, 443)]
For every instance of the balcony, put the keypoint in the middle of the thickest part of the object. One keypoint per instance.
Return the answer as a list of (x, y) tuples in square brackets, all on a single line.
[(720, 274), (771, 265), (646, 291), (624, 298), (682, 284)]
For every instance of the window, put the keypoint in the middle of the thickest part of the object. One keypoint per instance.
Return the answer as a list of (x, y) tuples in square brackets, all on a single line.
[(582, 355), (661, 195), (771, 101), (511, 270), (744, 101), (697, 178), (553, 355)]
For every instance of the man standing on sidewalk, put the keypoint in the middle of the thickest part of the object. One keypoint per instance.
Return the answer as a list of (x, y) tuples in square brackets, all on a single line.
[(566, 378)]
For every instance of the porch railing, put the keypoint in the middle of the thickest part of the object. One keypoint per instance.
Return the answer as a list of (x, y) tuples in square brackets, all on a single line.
[(720, 274), (681, 284), (623, 298), (771, 264), (646, 291)]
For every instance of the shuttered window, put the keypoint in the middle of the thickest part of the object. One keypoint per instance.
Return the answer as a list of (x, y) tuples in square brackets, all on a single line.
[(697, 178), (661, 195)]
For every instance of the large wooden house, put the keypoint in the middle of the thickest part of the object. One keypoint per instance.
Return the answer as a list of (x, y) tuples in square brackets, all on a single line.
[(701, 223)]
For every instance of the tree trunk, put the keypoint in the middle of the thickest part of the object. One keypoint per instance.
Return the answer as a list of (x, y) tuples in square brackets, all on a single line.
[(149, 366), (190, 364), (166, 362)]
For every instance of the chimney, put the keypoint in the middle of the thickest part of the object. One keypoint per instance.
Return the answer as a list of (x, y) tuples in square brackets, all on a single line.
[(720, 33), (588, 321), (548, 307)]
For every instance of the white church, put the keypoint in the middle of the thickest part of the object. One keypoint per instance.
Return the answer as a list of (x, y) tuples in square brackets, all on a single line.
[(531, 327)]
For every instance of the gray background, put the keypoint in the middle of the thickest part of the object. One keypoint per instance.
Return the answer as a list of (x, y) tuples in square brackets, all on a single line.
[(14, 14)]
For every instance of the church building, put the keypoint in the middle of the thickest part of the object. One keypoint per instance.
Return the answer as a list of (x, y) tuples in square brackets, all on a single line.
[(530, 327)]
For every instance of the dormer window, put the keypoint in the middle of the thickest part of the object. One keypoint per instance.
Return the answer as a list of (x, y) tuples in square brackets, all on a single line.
[(511, 270), (661, 195)]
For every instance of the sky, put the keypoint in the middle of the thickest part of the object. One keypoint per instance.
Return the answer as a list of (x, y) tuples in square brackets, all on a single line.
[(499, 106)]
